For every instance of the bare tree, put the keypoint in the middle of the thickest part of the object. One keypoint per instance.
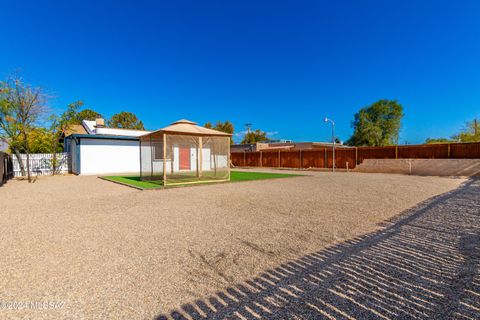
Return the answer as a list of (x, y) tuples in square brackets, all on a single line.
[(22, 104)]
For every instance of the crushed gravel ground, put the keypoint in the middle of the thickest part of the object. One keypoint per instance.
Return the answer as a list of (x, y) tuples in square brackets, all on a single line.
[(101, 250), (424, 264)]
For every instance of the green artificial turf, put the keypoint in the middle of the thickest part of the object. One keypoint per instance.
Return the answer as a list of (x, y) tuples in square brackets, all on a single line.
[(135, 181), (235, 176), (246, 176)]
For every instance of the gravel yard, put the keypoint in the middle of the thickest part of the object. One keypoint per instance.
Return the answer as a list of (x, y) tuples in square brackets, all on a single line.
[(109, 251)]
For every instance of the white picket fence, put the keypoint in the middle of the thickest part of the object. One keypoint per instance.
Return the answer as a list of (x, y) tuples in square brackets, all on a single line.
[(41, 164)]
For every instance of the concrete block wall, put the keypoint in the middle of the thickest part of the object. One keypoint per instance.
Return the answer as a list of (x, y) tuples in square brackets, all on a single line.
[(424, 167)]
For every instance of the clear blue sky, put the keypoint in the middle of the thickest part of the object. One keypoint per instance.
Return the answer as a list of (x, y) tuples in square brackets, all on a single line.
[(280, 65)]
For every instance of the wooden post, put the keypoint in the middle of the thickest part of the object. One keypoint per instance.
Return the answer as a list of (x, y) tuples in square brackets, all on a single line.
[(152, 150), (140, 148), (325, 163), (356, 156), (261, 164), (301, 162), (448, 151), (279, 159), (172, 160), (229, 158), (164, 159), (396, 152), (244, 158), (200, 156)]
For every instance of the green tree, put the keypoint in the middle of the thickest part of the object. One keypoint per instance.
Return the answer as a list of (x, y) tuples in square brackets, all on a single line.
[(471, 132), (208, 125), (125, 120), (437, 140), (254, 137), (39, 141), (377, 124), (85, 114), (59, 124), (226, 127)]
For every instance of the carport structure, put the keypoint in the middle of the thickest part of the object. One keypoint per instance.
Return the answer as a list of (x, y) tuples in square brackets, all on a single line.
[(184, 153)]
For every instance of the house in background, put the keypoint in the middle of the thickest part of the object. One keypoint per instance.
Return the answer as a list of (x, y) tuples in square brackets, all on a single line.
[(3, 145), (282, 145), (96, 149)]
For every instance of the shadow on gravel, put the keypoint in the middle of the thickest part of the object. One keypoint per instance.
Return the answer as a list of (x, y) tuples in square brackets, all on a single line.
[(423, 265)]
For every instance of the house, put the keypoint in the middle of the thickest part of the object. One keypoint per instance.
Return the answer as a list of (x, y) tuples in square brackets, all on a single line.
[(282, 145), (96, 149)]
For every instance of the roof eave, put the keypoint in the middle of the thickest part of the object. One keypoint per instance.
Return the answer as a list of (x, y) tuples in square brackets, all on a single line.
[(102, 137), (188, 133)]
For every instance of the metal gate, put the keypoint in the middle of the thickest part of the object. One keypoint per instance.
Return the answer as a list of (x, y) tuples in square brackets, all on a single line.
[(6, 167)]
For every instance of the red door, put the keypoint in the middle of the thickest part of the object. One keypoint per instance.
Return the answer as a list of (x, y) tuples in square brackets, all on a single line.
[(184, 155)]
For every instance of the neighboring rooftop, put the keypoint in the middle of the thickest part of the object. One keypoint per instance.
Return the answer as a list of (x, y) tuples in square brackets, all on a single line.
[(97, 127), (3, 145), (75, 129), (282, 145)]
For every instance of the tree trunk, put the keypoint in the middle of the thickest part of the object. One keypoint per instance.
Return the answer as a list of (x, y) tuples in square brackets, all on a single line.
[(54, 163), (28, 167), (54, 157), (20, 162), (27, 152)]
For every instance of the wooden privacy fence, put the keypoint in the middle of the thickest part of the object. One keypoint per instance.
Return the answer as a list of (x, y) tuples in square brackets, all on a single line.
[(302, 159), (351, 157), (6, 167), (41, 164)]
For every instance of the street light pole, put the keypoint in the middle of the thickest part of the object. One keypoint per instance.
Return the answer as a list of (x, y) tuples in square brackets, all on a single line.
[(333, 141)]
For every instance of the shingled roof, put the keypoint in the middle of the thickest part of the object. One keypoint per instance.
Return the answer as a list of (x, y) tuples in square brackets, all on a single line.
[(184, 126)]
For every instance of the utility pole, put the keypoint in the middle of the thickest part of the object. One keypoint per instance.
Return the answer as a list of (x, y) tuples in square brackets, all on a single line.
[(248, 125), (333, 141), (476, 138)]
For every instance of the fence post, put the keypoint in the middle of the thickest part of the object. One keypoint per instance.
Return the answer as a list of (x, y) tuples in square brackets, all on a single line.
[(279, 159), (396, 152), (448, 151), (325, 164), (356, 156), (244, 158), (301, 160), (261, 163)]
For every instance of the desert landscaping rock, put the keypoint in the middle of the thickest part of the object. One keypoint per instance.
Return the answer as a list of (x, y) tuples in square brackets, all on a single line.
[(109, 251)]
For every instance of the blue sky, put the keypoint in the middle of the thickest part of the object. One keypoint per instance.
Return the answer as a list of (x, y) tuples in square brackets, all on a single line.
[(280, 65)]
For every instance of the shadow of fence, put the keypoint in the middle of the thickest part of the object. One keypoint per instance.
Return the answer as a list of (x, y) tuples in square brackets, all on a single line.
[(421, 265)]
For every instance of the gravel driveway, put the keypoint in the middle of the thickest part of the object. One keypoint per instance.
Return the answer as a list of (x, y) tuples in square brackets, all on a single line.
[(424, 264), (99, 250)]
